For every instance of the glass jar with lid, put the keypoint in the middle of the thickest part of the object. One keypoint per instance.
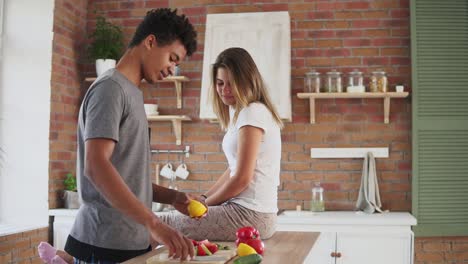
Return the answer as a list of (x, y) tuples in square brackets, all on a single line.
[(333, 84), (355, 82), (312, 82), (378, 82), (317, 204)]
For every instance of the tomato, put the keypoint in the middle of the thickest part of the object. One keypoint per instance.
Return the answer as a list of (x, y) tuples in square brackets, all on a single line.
[(205, 247), (247, 232), (202, 250), (212, 247)]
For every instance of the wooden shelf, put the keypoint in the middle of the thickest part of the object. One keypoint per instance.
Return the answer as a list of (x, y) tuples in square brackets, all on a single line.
[(177, 80), (176, 123), (385, 96)]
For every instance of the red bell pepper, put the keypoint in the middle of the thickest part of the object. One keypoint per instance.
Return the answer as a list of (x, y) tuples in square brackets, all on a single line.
[(250, 236), (247, 232)]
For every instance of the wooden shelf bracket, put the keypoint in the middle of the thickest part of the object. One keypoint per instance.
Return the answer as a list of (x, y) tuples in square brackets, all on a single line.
[(176, 123)]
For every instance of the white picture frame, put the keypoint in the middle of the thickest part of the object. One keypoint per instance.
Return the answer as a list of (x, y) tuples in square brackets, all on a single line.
[(267, 38)]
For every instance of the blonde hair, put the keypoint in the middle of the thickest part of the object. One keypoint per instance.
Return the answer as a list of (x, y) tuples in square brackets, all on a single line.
[(247, 85)]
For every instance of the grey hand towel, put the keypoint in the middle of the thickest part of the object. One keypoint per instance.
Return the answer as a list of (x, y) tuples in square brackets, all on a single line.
[(369, 196)]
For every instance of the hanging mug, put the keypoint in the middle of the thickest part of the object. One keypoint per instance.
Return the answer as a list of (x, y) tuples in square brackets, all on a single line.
[(182, 171), (167, 171)]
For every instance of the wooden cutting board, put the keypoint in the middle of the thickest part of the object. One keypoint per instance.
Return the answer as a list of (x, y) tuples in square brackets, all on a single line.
[(278, 249), (220, 257)]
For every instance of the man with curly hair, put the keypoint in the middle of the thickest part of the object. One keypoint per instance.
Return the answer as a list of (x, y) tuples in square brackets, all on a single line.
[(115, 222)]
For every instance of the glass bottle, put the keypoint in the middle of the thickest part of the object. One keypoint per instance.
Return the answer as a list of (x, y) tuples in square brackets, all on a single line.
[(355, 81), (317, 203), (378, 82), (312, 82), (333, 84)]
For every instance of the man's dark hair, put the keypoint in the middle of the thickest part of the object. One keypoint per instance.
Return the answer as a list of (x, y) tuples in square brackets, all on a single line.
[(167, 27)]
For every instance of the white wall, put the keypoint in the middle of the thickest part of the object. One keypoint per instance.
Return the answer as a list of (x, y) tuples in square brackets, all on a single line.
[(25, 74)]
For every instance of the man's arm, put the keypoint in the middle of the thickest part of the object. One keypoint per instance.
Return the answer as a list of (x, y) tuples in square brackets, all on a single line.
[(179, 200), (163, 195), (106, 179)]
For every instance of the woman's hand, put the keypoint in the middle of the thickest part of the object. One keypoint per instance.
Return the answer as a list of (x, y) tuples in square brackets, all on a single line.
[(202, 199)]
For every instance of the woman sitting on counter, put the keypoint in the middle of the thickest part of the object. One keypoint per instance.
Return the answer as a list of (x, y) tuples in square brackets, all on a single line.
[(246, 193)]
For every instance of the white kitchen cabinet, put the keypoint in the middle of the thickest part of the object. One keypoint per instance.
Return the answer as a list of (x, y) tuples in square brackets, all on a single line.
[(63, 222), (355, 237)]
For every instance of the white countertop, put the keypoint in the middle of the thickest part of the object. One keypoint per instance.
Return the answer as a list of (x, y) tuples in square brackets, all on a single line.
[(314, 218), (347, 217), (63, 212), (73, 212)]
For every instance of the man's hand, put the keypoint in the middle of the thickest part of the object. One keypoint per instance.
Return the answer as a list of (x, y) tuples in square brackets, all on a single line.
[(181, 202), (179, 246)]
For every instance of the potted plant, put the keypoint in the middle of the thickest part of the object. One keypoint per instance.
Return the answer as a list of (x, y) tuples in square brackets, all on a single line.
[(106, 44), (70, 194)]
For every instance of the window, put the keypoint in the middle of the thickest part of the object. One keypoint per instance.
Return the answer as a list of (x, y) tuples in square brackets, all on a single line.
[(25, 113), (1, 26)]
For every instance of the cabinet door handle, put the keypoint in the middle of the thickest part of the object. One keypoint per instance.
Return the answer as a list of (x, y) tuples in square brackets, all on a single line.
[(333, 254), (338, 255)]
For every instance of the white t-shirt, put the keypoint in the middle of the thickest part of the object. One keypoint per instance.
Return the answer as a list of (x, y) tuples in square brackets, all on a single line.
[(262, 194)]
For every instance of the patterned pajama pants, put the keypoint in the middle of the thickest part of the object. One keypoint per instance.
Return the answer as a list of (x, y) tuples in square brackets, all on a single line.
[(222, 222)]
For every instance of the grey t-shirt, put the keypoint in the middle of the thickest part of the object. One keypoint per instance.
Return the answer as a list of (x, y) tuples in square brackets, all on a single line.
[(113, 108)]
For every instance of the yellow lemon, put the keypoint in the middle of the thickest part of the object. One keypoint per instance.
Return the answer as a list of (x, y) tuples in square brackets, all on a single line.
[(244, 250), (196, 209)]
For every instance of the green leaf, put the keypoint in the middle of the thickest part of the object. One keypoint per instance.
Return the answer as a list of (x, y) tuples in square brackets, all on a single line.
[(70, 182), (106, 40)]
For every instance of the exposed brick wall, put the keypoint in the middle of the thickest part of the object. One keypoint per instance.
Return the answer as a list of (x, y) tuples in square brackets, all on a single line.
[(22, 247), (343, 35), (441, 250), (69, 35)]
